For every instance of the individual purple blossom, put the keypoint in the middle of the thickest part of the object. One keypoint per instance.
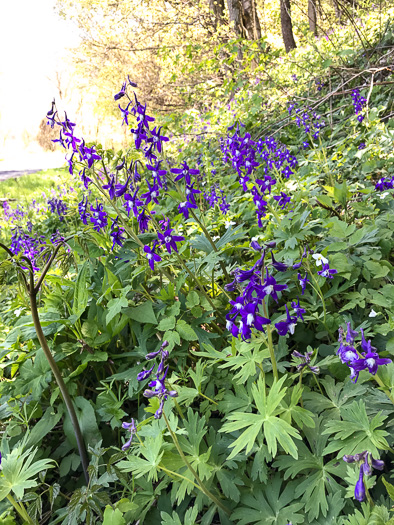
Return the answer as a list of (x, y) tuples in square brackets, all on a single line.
[(371, 361), (169, 240), (157, 173), (82, 208), (84, 178), (327, 272), (184, 173), (143, 221), (99, 217), (359, 490), (184, 208), (120, 189), (151, 255), (121, 93), (132, 202), (152, 194), (299, 311), (157, 139), (280, 267), (111, 187), (190, 192), (117, 233), (287, 326), (282, 200), (133, 430), (305, 361), (270, 287)]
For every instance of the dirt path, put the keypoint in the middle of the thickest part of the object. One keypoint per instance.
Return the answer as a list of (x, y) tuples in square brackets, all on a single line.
[(4, 175)]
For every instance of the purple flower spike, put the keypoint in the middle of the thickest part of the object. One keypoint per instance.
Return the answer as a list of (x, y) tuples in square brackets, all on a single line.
[(145, 374)]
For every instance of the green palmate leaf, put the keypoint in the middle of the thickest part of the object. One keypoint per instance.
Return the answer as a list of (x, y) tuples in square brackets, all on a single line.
[(315, 477), (355, 432), (265, 423), (19, 471), (377, 515), (271, 506), (188, 519), (81, 294), (148, 465), (35, 375), (247, 361)]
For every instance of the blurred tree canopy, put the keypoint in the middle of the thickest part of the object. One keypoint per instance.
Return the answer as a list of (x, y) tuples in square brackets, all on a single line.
[(180, 52)]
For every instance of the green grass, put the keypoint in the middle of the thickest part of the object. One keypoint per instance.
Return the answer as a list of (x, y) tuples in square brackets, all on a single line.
[(31, 186)]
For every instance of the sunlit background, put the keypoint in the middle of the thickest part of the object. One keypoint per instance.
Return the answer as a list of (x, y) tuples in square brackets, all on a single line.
[(33, 70)]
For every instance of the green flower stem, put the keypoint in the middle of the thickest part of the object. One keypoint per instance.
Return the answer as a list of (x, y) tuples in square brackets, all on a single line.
[(384, 388), (274, 213), (369, 499), (300, 383), (271, 344), (59, 379), (318, 384), (20, 509), (172, 473), (319, 293), (201, 484)]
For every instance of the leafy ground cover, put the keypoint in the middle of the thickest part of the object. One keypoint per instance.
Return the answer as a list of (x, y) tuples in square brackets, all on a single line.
[(199, 329)]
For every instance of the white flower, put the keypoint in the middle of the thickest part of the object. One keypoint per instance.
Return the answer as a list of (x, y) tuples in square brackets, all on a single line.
[(372, 313), (319, 259), (383, 195), (227, 224), (18, 312), (215, 238)]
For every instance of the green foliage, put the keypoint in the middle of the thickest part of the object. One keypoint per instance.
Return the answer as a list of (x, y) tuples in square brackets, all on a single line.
[(253, 431)]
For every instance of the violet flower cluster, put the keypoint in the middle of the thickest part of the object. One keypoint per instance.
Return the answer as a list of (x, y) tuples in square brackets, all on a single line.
[(157, 387), (58, 206), (358, 104), (128, 191), (367, 463), (356, 360), (247, 156), (310, 120), (259, 284), (31, 247)]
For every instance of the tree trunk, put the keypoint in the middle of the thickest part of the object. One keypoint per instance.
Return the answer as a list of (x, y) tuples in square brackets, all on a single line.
[(235, 14), (218, 10), (251, 20), (286, 25), (312, 16)]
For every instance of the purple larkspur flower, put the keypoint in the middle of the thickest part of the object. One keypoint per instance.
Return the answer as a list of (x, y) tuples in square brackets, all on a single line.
[(99, 217), (287, 326), (151, 255), (169, 240)]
